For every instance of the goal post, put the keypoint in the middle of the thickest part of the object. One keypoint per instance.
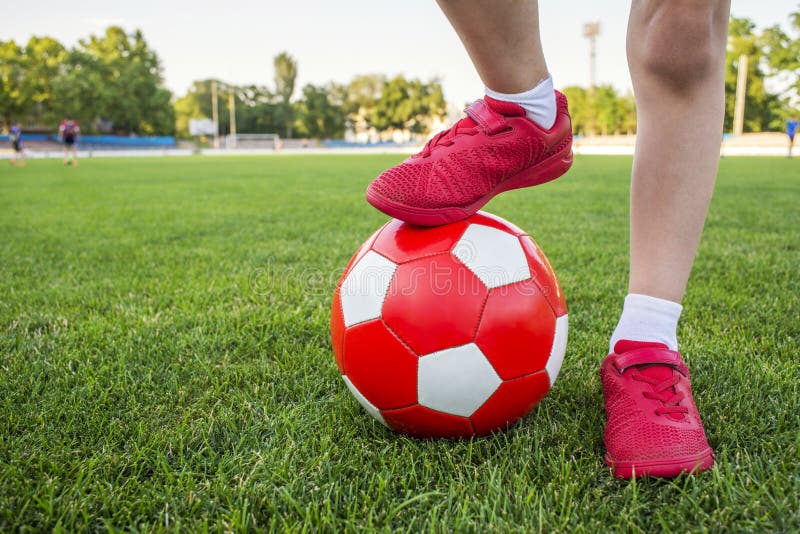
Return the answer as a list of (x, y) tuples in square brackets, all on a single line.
[(253, 140)]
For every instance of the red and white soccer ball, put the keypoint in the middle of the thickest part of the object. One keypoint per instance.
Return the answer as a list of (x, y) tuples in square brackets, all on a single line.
[(449, 331)]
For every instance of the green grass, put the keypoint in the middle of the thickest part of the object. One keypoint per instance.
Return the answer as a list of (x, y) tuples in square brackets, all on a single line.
[(165, 361)]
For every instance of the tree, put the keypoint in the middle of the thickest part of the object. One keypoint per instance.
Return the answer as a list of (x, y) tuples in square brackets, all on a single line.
[(256, 110), (109, 81), (408, 104), (12, 80), (78, 89), (44, 58), (782, 51), (114, 80), (579, 108), (321, 113), (133, 97), (761, 108), (363, 93), (285, 76), (605, 112), (626, 105)]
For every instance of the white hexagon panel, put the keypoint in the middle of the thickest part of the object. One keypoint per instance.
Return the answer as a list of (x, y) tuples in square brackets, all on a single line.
[(496, 257), (456, 381), (365, 287), (558, 349), (362, 400)]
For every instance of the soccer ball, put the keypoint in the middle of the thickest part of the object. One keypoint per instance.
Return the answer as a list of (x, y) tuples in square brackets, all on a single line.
[(449, 331)]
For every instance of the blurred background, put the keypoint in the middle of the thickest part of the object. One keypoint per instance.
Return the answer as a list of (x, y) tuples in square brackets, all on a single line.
[(286, 75)]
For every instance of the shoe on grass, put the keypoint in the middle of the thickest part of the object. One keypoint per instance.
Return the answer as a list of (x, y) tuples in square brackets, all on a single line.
[(653, 427)]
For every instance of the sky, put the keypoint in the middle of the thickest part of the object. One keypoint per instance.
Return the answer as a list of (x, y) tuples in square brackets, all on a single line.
[(236, 40)]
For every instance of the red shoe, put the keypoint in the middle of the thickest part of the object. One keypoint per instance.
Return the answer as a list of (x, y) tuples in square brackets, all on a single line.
[(494, 149), (653, 427)]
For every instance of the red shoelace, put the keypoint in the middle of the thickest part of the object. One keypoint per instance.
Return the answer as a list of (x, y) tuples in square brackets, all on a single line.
[(663, 392)]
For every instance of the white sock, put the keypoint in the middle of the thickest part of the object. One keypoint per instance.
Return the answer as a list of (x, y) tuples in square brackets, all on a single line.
[(647, 318), (539, 103)]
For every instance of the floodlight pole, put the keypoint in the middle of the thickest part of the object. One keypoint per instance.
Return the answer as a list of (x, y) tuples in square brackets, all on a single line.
[(741, 91), (215, 112), (591, 30)]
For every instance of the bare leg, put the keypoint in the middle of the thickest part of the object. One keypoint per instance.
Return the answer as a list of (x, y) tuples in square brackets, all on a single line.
[(502, 39), (676, 54)]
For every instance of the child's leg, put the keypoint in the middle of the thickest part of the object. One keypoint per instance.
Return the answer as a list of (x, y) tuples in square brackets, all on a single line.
[(676, 54), (461, 169), (502, 39)]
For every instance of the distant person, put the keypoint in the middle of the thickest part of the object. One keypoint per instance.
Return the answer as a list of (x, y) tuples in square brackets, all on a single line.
[(17, 154), (68, 132), (791, 130)]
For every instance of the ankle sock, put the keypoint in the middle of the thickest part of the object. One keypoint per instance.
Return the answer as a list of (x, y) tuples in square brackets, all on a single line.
[(539, 103), (648, 319)]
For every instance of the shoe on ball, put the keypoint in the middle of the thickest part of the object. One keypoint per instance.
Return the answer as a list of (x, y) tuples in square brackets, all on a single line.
[(495, 148), (653, 427)]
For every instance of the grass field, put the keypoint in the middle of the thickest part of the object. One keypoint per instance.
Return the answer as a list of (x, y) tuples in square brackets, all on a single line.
[(165, 361)]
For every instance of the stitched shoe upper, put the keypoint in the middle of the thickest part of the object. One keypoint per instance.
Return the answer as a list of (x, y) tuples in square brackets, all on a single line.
[(650, 411), (462, 164)]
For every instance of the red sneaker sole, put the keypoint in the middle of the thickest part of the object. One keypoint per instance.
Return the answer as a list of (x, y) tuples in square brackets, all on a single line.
[(663, 468), (546, 171)]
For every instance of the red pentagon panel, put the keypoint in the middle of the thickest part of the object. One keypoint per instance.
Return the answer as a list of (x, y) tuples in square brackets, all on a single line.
[(544, 275), (380, 366), (493, 221), (363, 249), (337, 330), (512, 401), (422, 422), (401, 242), (516, 329), (434, 303)]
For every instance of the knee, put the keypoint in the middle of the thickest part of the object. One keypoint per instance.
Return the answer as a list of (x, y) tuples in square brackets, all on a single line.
[(678, 42)]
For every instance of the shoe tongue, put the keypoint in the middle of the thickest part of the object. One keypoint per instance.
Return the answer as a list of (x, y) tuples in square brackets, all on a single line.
[(509, 109), (466, 122), (654, 371), (658, 372), (625, 345)]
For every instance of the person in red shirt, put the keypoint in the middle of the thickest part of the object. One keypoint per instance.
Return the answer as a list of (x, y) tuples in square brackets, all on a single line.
[(68, 132)]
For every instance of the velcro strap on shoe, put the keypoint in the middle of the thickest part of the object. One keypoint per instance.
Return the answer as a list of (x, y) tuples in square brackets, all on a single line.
[(648, 355), (489, 121)]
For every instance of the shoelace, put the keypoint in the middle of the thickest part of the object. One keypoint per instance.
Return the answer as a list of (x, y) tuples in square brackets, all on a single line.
[(662, 392), (447, 137)]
